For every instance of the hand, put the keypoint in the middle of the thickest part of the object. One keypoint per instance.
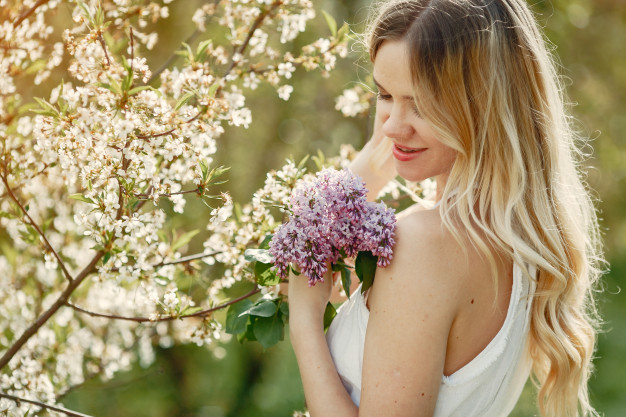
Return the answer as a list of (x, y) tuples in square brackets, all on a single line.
[(309, 302), (375, 163)]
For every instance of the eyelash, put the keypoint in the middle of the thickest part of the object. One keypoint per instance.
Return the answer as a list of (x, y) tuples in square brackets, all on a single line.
[(385, 97)]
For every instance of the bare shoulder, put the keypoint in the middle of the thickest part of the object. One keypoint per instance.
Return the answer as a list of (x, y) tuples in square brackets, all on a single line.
[(413, 304), (426, 255), (428, 267)]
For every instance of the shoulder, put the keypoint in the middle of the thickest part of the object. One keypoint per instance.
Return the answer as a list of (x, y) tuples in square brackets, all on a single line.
[(413, 304), (426, 255), (429, 270)]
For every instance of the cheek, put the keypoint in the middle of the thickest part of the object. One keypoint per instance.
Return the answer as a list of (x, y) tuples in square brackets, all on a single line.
[(450, 157), (382, 110)]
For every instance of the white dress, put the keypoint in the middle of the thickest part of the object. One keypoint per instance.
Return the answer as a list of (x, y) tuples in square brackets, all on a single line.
[(488, 386)]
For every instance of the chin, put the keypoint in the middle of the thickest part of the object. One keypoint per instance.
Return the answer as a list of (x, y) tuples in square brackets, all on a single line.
[(411, 174)]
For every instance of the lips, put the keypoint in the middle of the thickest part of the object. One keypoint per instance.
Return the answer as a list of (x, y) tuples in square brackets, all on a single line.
[(405, 153)]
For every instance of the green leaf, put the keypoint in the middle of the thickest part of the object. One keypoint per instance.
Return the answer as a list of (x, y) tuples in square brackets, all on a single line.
[(107, 87), (260, 255), (213, 88), (263, 308), (332, 23), (204, 168), (184, 239), (265, 244), (46, 109), (365, 268), (106, 258), (342, 32), (284, 308), (264, 274), (83, 6), (216, 172), (99, 17), (201, 50), (184, 100), (269, 330), (7, 215), (303, 162), (235, 322), (81, 197), (140, 88), (189, 310), (346, 280), (46, 224), (329, 315), (249, 333), (36, 66)]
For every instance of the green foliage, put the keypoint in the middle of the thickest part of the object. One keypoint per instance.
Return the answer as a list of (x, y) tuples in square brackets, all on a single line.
[(329, 314), (365, 268), (262, 321)]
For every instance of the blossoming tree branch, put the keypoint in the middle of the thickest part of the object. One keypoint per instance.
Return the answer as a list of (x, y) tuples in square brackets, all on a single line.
[(88, 253), (92, 271)]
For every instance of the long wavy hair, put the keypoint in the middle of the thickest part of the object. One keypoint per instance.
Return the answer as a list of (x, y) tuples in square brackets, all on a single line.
[(487, 84)]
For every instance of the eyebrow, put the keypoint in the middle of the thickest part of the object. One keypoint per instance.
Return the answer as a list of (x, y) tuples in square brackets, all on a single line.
[(380, 87)]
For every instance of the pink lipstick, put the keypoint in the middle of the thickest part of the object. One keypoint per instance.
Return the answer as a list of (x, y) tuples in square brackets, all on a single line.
[(403, 153)]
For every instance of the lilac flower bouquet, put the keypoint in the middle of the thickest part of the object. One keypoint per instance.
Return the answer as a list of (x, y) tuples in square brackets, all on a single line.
[(330, 219)]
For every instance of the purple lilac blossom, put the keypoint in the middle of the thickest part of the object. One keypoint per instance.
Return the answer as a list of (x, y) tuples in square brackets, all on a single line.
[(331, 214)]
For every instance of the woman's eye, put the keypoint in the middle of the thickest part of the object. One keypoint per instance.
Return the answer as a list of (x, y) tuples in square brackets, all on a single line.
[(382, 96)]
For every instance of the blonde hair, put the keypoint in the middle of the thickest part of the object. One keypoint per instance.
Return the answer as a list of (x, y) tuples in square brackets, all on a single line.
[(485, 81)]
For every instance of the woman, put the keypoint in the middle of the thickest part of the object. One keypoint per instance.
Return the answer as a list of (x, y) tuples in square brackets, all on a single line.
[(493, 283)]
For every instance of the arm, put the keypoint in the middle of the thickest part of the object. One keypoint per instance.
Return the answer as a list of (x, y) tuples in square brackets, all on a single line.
[(413, 304)]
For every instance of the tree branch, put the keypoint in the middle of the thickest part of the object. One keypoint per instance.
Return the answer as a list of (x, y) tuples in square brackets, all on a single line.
[(172, 57), (257, 23), (43, 405), (202, 313), (104, 47), (180, 260), (144, 196), (28, 12), (156, 135), (187, 259), (37, 228), (18, 186), (30, 332)]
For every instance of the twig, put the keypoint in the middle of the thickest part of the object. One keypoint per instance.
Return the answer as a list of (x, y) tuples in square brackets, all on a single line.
[(180, 260), (28, 12), (44, 405), (166, 318), (17, 187), (171, 58), (187, 259), (37, 228), (257, 23), (132, 52), (197, 190), (65, 295), (104, 48), (156, 135)]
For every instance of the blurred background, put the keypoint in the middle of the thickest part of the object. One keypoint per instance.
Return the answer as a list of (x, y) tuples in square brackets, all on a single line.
[(244, 381)]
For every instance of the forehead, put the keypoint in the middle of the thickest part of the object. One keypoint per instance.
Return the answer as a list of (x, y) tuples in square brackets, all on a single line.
[(391, 68)]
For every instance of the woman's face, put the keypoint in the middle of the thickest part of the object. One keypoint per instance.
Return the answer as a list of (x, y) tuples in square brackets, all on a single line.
[(417, 152)]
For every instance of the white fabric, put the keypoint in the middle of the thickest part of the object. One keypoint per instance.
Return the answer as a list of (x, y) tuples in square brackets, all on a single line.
[(488, 386)]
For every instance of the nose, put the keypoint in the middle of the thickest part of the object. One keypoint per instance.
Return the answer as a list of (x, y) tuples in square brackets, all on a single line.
[(396, 125)]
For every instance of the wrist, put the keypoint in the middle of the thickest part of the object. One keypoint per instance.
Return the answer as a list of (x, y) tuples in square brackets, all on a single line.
[(302, 329)]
